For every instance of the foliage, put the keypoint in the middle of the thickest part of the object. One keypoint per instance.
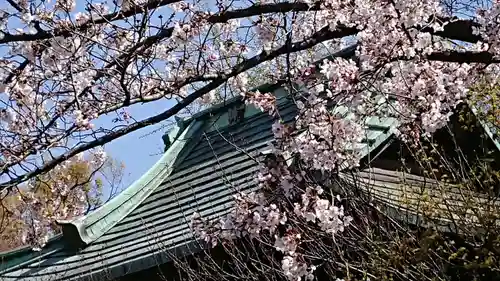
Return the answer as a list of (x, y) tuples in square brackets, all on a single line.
[(73, 189)]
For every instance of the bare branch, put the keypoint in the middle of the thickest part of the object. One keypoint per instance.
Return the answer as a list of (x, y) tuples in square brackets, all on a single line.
[(321, 36)]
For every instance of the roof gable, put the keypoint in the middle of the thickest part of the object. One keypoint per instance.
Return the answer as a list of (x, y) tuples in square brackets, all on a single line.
[(82, 231), (203, 179)]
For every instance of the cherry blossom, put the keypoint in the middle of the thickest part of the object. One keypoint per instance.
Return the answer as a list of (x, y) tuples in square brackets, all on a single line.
[(254, 215), (295, 270), (263, 101), (251, 216)]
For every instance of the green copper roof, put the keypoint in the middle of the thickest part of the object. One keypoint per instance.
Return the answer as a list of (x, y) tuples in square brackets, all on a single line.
[(84, 230), (491, 132), (214, 163)]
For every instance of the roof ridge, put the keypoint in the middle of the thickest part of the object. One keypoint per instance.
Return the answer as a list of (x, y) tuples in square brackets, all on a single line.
[(223, 104), (271, 87), (82, 231)]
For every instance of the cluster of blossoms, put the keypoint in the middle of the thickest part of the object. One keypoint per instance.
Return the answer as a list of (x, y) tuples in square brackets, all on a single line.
[(32, 213), (98, 157), (66, 5), (181, 33), (251, 217), (264, 101), (329, 217), (426, 92), (417, 90), (296, 270), (81, 121), (328, 141), (266, 31), (255, 216), (239, 82), (488, 27), (340, 74), (277, 177), (209, 98)]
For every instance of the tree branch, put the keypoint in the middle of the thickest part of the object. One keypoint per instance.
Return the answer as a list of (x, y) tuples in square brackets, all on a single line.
[(321, 36), (463, 57), (151, 40), (16, 6), (457, 29), (65, 32), (222, 17)]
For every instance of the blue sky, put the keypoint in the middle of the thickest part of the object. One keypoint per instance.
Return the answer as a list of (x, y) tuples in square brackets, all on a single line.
[(138, 150)]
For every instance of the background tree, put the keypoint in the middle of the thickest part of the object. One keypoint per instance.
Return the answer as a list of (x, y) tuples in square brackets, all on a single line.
[(29, 215)]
